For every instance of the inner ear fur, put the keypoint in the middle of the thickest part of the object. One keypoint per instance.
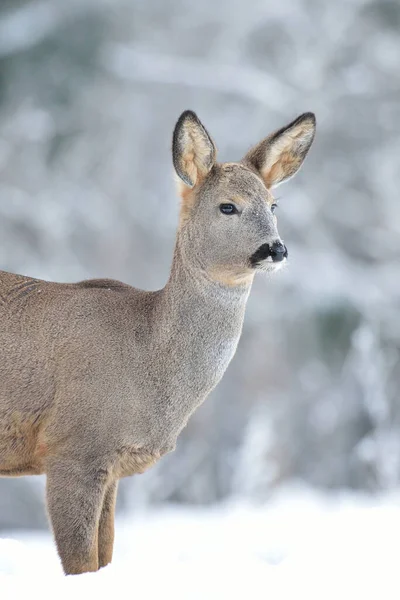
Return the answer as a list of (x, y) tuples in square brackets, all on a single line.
[(193, 150), (279, 156)]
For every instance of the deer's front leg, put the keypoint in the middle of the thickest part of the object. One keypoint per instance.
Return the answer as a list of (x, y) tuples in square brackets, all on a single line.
[(106, 525), (75, 494)]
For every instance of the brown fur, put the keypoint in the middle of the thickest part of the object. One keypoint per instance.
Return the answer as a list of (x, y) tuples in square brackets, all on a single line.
[(231, 278), (188, 197), (97, 378)]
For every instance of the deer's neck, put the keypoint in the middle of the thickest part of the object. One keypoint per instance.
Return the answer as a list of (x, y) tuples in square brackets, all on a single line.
[(201, 322)]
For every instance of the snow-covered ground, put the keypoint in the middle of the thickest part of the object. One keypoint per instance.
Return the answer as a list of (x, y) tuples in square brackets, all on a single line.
[(302, 544)]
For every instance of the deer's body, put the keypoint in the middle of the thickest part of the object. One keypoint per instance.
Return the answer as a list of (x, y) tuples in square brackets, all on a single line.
[(97, 379), (163, 350)]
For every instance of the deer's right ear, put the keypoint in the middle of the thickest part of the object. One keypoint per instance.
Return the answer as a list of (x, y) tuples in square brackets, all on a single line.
[(193, 150), (279, 156)]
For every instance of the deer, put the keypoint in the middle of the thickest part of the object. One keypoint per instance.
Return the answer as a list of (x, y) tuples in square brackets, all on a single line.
[(98, 378)]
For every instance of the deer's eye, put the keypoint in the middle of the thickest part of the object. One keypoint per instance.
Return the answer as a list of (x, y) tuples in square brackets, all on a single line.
[(273, 206), (228, 209)]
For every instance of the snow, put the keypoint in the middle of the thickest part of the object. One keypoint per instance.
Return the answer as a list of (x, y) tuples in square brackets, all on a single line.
[(302, 544)]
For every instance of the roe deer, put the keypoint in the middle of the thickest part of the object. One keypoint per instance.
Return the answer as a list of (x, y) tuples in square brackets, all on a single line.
[(97, 378)]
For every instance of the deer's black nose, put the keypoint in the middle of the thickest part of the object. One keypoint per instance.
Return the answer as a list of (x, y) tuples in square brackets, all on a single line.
[(278, 251)]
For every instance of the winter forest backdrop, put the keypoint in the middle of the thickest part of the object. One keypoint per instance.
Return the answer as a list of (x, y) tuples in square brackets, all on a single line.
[(89, 94)]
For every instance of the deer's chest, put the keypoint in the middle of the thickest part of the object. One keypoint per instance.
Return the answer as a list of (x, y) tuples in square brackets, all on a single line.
[(133, 460), (208, 363), (165, 391)]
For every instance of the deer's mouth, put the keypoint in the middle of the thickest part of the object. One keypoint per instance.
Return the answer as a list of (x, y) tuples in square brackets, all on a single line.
[(269, 256), (269, 266)]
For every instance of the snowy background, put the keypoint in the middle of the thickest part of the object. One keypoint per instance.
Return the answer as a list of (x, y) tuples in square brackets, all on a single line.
[(89, 93), (303, 544)]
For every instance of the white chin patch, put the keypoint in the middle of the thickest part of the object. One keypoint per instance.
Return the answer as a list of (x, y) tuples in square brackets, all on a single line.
[(270, 266)]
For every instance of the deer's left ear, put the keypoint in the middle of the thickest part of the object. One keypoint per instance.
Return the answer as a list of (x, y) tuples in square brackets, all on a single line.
[(279, 156), (193, 150)]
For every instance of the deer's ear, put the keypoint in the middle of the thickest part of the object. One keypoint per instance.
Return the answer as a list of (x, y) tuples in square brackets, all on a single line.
[(193, 150), (279, 156)]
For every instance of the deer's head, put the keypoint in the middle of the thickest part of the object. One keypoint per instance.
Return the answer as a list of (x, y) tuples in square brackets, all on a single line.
[(228, 226)]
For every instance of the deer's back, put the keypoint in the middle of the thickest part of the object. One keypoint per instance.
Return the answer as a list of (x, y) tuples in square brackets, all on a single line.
[(57, 339), (40, 320)]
